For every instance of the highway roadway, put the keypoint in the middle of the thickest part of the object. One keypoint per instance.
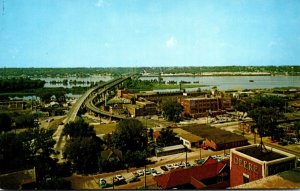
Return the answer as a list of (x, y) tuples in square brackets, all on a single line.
[(71, 116)]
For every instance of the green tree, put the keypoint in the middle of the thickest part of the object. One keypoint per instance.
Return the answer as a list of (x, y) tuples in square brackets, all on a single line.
[(167, 138), (25, 121), (38, 145), (79, 128), (130, 137), (33, 147), (172, 110), (12, 154), (84, 153), (55, 184), (5, 122), (265, 111)]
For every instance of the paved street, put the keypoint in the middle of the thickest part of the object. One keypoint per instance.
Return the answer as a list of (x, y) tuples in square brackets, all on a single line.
[(91, 182)]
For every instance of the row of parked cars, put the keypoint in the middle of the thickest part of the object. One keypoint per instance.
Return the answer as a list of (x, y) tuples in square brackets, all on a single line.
[(147, 172), (169, 167), (119, 179)]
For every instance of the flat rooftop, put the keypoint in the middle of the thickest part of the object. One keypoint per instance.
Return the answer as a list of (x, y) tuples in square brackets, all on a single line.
[(261, 154), (219, 136), (288, 179)]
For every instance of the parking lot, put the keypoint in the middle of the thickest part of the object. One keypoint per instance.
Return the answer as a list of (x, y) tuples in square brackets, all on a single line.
[(92, 181)]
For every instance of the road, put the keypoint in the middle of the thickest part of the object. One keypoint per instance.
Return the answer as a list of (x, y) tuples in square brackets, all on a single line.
[(71, 116), (91, 182)]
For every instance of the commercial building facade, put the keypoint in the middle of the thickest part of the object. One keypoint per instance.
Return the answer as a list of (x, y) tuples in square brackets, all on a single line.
[(210, 175), (201, 106), (250, 163)]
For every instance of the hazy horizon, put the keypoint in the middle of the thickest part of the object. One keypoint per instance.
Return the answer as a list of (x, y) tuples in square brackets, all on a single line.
[(149, 33)]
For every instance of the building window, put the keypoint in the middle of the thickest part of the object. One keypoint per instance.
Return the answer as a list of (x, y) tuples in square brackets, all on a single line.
[(245, 178)]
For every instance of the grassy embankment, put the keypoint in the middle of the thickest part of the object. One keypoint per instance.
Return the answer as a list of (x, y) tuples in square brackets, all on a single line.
[(111, 127)]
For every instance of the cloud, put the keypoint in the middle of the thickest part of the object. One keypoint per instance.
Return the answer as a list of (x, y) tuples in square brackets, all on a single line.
[(171, 42), (99, 3)]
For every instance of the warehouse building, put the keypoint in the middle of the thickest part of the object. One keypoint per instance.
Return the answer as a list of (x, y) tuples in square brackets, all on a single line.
[(216, 139)]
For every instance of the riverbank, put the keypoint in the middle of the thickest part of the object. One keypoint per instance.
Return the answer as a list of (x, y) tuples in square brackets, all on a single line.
[(220, 74)]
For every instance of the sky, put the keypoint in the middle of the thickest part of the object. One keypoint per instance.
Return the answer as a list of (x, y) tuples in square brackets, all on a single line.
[(151, 33)]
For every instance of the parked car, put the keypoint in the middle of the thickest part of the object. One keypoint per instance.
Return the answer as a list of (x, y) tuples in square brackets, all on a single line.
[(152, 170), (102, 182), (147, 172), (133, 179), (140, 173), (187, 164), (156, 173), (181, 164), (170, 166), (119, 177), (175, 165), (164, 168), (199, 161)]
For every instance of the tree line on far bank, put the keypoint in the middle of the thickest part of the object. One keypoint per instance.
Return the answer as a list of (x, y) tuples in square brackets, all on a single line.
[(118, 71), (18, 84)]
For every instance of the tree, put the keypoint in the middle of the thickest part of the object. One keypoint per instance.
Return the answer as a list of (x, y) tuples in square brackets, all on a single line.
[(130, 137), (265, 111), (79, 128), (33, 147), (167, 138), (55, 184), (38, 145), (12, 154), (25, 121), (172, 110), (84, 153), (5, 122)]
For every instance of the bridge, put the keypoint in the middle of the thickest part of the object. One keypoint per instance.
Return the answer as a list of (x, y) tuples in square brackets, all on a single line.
[(87, 100), (91, 105)]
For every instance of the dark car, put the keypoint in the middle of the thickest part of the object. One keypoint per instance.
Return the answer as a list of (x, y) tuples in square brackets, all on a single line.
[(164, 168)]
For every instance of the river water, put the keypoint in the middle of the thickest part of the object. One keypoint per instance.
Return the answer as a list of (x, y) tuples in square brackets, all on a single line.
[(221, 82)]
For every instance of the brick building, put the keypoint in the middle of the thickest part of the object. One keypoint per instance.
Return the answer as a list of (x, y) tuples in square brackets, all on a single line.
[(210, 175), (148, 107), (249, 163), (201, 106)]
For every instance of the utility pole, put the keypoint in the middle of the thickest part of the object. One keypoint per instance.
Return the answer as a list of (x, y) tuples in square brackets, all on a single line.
[(185, 155), (200, 151), (145, 184)]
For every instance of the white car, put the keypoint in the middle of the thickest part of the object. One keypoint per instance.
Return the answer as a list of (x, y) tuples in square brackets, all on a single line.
[(156, 173), (140, 172), (170, 166), (175, 165), (102, 181), (119, 177)]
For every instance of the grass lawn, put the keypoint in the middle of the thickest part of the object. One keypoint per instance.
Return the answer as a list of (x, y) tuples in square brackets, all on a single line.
[(105, 128), (149, 123)]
